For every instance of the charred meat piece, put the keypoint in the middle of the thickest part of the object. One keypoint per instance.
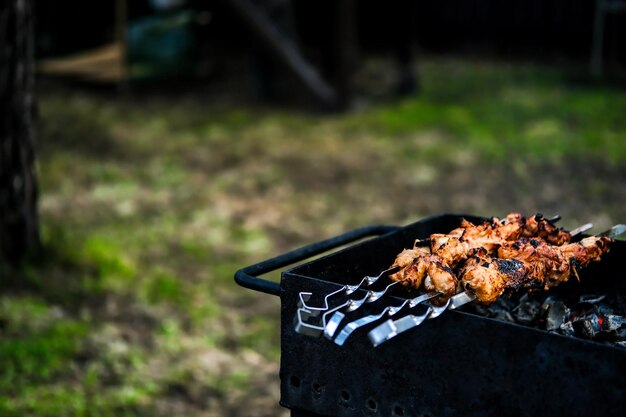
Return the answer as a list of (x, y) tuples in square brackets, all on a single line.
[(481, 275), (545, 260), (454, 249), (530, 265), (588, 250), (441, 279), (407, 256), (430, 271), (489, 278), (414, 265), (538, 226)]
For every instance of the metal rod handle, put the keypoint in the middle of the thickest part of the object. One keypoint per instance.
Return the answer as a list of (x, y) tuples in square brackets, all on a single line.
[(248, 277)]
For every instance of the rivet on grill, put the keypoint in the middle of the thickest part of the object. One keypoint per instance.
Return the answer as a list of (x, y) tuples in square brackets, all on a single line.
[(371, 404), (345, 395), (398, 411), (317, 388)]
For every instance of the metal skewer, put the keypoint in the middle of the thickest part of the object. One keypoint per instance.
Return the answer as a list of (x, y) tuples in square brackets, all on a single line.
[(303, 327), (312, 330), (388, 311), (614, 231), (581, 229), (391, 328), (555, 218), (345, 290)]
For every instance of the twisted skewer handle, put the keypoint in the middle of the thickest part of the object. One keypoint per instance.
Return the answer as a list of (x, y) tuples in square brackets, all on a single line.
[(345, 290), (389, 311), (391, 328)]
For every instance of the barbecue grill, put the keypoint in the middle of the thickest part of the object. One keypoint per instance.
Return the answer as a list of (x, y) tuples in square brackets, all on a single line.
[(460, 364)]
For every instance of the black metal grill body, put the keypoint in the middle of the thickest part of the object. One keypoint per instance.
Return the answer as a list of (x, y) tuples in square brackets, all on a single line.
[(456, 365)]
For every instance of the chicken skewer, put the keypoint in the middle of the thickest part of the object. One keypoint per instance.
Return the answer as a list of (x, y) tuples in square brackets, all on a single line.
[(536, 222), (517, 248), (582, 253), (437, 277), (447, 251), (531, 265), (533, 261)]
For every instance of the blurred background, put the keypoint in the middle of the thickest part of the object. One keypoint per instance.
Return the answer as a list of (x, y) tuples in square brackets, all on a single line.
[(178, 141)]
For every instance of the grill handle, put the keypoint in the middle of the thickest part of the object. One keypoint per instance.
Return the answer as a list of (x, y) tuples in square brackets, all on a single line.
[(248, 277)]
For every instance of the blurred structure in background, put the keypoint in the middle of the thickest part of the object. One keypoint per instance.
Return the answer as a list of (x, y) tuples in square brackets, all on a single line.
[(19, 224), (604, 10), (317, 50)]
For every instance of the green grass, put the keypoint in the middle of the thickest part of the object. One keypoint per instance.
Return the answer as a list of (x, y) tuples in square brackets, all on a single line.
[(502, 113), (149, 206), (37, 340)]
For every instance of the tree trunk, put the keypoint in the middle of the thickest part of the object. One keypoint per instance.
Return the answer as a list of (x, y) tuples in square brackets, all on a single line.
[(19, 229)]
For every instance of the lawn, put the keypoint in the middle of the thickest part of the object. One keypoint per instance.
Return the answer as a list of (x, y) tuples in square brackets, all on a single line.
[(149, 205)]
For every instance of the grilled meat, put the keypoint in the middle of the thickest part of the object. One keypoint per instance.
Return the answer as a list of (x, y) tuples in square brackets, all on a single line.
[(440, 278), (547, 260), (449, 250), (426, 269), (407, 256), (496, 256), (483, 276), (588, 250), (530, 265), (455, 248), (538, 226)]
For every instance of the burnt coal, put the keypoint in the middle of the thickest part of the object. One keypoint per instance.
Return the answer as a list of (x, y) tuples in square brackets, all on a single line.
[(614, 323), (591, 316), (567, 329), (588, 327), (555, 313), (527, 311)]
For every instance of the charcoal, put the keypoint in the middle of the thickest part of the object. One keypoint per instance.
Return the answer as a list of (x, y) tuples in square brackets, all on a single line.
[(504, 303), (527, 311), (482, 310), (500, 310), (587, 327), (556, 313), (503, 315), (567, 329), (613, 322), (591, 316), (545, 306)]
